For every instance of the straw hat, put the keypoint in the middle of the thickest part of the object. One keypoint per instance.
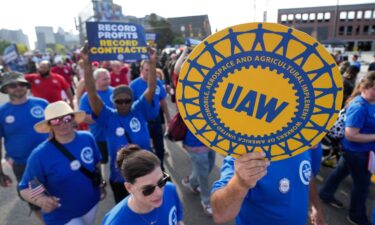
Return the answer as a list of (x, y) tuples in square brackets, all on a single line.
[(55, 110)]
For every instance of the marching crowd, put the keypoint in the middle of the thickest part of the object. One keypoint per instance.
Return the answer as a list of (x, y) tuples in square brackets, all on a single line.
[(58, 150)]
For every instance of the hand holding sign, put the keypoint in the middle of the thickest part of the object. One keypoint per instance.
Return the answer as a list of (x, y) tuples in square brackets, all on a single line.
[(250, 168)]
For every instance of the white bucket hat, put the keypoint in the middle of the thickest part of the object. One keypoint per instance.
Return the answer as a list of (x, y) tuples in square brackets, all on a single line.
[(55, 110)]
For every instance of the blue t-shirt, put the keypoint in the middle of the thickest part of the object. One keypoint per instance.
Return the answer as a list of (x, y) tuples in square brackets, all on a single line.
[(139, 86), (169, 213), (64, 180), (134, 124), (84, 105), (191, 140), (279, 198), (360, 114), (17, 128)]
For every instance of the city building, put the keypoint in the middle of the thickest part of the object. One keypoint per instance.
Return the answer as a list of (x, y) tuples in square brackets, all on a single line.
[(44, 36), (14, 36), (191, 26), (350, 25)]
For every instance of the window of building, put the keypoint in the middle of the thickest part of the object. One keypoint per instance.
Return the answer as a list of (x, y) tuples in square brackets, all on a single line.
[(298, 17), (364, 45), (365, 30), (359, 15), (368, 14), (357, 30), (349, 46), (290, 17), (320, 17), (283, 18), (349, 30), (327, 16), (341, 30), (351, 15), (373, 14), (305, 17), (372, 30), (343, 15), (312, 16)]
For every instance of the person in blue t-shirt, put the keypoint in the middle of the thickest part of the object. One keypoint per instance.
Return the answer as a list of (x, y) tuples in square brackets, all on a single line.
[(125, 124), (257, 192), (105, 91), (152, 199), (54, 181), (358, 141), (138, 87)]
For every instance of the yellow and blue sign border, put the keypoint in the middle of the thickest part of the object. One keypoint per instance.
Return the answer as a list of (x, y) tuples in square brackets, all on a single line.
[(271, 62)]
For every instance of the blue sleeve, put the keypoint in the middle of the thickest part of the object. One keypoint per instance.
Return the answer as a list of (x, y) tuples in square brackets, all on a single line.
[(316, 157), (33, 171), (97, 154), (227, 172), (84, 104), (149, 110), (355, 116), (163, 93)]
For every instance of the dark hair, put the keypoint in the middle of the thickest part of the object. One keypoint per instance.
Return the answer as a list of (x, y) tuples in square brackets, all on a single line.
[(366, 83), (135, 162)]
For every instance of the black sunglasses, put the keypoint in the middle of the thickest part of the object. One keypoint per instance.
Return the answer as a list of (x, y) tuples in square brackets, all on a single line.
[(149, 189), (123, 101), (15, 85)]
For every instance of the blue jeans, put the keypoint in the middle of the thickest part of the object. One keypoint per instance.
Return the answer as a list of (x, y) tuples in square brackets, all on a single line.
[(354, 163), (202, 164)]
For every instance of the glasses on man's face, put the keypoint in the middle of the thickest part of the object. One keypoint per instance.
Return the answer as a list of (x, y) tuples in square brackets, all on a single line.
[(123, 101), (15, 85), (149, 189), (58, 121)]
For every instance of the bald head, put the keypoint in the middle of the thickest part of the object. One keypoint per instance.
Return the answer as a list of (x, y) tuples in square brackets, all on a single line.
[(44, 68)]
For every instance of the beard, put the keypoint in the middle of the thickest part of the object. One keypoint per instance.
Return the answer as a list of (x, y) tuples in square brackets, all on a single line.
[(44, 74)]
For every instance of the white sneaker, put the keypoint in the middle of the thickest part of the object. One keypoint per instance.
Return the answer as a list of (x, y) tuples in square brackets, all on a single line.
[(207, 208)]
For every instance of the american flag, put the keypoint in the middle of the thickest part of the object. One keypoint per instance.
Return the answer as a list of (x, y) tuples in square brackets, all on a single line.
[(36, 188)]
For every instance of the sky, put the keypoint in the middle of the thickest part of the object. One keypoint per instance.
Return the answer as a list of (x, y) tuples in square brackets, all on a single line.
[(25, 15)]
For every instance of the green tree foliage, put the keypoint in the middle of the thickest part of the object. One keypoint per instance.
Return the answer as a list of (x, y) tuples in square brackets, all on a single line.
[(21, 48), (162, 28), (3, 45)]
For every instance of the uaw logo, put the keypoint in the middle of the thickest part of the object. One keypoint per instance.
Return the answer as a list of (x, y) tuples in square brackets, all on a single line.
[(135, 125), (305, 172), (172, 216), (37, 111), (87, 155), (259, 87)]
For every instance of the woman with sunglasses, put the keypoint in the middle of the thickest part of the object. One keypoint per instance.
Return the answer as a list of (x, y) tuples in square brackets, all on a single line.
[(152, 200), (57, 183), (125, 124)]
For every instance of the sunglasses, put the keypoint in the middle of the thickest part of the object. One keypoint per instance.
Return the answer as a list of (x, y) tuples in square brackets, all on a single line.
[(123, 101), (58, 121), (15, 85), (149, 189)]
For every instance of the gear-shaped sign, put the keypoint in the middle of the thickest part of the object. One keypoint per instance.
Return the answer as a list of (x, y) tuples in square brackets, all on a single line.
[(259, 87)]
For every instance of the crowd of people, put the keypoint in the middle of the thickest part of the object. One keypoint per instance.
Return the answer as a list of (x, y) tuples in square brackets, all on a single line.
[(82, 115)]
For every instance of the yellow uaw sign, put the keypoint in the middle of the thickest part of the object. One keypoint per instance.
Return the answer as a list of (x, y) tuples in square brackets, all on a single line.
[(259, 87)]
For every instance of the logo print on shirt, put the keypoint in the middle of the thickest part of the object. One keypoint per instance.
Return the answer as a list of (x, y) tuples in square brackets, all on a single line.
[(172, 217), (135, 125), (284, 185), (305, 172), (37, 81), (37, 111), (10, 119), (117, 80), (75, 165), (87, 155), (54, 81), (66, 71), (120, 131)]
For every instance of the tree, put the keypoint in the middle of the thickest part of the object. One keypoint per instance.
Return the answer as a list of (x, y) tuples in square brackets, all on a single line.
[(162, 28), (60, 49), (21, 48), (3, 45), (178, 41)]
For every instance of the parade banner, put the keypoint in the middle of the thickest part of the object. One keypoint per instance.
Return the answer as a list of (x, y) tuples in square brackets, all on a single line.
[(10, 54), (259, 87), (151, 39), (191, 43), (116, 41)]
